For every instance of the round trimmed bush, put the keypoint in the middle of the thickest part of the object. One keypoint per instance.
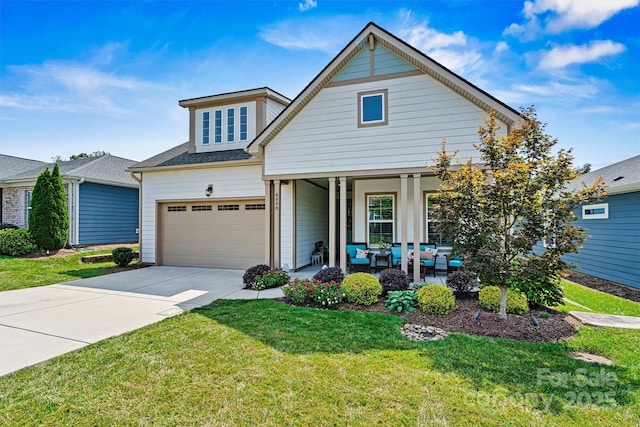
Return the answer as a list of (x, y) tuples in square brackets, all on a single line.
[(122, 256), (393, 279), (361, 288), (461, 281), (330, 274), (16, 242), (489, 299), (251, 273), (436, 299)]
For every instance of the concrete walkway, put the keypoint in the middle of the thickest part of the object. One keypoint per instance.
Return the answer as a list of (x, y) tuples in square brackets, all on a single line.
[(37, 324), (607, 320)]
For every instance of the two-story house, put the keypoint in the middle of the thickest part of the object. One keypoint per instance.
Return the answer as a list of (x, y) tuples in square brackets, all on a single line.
[(344, 161)]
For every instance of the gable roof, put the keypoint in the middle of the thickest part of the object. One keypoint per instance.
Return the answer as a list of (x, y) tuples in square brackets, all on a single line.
[(400, 48), (621, 177), (10, 165), (179, 155), (105, 169), (237, 96)]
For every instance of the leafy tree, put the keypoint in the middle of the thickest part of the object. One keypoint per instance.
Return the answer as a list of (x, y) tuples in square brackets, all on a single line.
[(499, 210), (48, 219), (88, 156)]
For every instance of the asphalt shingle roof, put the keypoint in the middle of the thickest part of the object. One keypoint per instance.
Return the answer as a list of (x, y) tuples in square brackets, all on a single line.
[(10, 165), (106, 168), (617, 176), (180, 155)]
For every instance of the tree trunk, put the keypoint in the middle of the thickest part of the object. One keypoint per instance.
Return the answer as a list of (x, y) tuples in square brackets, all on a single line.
[(503, 303)]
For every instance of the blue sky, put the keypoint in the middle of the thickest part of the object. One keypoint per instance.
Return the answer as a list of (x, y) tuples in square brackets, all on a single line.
[(81, 76)]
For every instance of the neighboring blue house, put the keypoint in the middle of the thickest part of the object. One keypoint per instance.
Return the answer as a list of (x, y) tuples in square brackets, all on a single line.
[(612, 250), (102, 197)]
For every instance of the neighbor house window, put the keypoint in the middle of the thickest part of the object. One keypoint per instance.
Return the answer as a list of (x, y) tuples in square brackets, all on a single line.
[(28, 215), (599, 211), (380, 218), (230, 124), (434, 234), (243, 123), (217, 126), (372, 108), (205, 127)]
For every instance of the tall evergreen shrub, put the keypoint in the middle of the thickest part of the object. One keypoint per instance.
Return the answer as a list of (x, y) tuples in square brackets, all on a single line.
[(49, 219)]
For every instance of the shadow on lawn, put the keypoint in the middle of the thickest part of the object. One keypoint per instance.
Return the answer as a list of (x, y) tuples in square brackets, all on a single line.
[(85, 273), (542, 374)]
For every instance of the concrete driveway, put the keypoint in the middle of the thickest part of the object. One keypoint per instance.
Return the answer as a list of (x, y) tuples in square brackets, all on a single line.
[(37, 324)]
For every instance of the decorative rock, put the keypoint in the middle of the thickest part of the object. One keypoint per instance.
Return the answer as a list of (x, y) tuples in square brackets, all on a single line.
[(423, 333)]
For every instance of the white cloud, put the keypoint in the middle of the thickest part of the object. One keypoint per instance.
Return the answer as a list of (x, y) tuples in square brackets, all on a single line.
[(326, 35), (563, 56), (307, 4), (561, 15), (500, 48)]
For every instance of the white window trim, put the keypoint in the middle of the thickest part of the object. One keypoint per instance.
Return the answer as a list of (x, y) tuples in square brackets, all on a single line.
[(605, 215), (206, 131), (231, 136), (216, 135), (385, 108), (246, 123), (392, 221)]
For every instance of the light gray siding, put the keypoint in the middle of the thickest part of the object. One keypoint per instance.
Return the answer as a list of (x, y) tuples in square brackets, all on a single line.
[(273, 109), (422, 112), (312, 220)]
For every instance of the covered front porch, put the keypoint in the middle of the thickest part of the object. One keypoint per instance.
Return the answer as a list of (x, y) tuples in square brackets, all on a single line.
[(338, 210)]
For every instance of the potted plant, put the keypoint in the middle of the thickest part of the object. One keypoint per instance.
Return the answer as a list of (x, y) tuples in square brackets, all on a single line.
[(383, 245)]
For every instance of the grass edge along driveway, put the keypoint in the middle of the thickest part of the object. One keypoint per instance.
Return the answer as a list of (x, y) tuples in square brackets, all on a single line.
[(266, 363), (21, 273)]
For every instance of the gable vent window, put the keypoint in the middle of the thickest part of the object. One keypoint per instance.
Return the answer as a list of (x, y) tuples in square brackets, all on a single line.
[(243, 123), (176, 208), (205, 128), (217, 126), (230, 124), (201, 208), (598, 211), (254, 207), (372, 108), (228, 207)]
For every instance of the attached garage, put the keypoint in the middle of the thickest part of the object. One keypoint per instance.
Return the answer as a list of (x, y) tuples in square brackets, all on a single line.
[(216, 234)]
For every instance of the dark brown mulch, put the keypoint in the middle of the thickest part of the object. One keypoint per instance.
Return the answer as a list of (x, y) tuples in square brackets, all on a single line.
[(117, 269), (607, 286), (558, 327)]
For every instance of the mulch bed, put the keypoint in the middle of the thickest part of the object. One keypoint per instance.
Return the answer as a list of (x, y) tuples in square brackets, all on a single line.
[(559, 327)]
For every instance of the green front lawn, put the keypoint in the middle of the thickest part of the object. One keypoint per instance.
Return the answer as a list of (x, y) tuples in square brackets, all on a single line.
[(266, 363), (19, 273), (596, 301)]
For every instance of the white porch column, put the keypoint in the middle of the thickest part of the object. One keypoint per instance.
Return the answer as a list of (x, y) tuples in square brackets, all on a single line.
[(267, 224), (404, 219), (332, 222), (343, 223), (417, 201), (276, 223)]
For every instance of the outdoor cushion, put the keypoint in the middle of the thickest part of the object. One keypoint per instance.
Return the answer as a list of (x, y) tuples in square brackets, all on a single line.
[(455, 263), (396, 252), (428, 253), (360, 261), (361, 254), (428, 262), (351, 249)]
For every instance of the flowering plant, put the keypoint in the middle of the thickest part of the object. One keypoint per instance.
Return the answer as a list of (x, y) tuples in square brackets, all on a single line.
[(383, 244), (270, 279), (304, 291)]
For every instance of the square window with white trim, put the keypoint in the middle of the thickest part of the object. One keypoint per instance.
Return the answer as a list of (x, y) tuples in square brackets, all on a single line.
[(598, 211), (372, 108)]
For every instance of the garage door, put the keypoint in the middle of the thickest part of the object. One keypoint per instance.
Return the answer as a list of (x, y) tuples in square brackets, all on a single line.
[(227, 234)]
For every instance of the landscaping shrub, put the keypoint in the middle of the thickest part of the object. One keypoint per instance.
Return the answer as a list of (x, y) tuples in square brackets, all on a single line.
[(16, 242), (544, 315), (304, 291), (436, 299), (7, 226), (401, 301), (461, 281), (540, 293), (270, 279), (489, 299), (393, 279), (250, 275), (48, 218), (361, 288), (122, 256), (330, 274), (418, 286)]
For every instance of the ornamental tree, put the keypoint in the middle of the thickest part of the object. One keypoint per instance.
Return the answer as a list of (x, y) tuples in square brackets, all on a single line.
[(516, 197), (49, 219)]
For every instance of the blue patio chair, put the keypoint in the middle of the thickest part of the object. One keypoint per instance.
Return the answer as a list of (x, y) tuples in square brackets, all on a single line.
[(429, 264), (454, 262), (358, 264)]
